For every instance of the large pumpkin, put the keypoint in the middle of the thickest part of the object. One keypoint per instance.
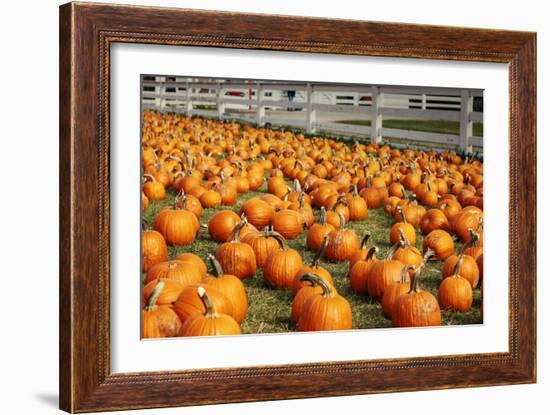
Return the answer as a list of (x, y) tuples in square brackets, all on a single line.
[(325, 311), (382, 273), (262, 244), (209, 323), (188, 303), (468, 268)]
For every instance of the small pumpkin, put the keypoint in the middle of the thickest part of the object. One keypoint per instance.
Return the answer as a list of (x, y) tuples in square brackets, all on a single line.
[(309, 288), (211, 323), (237, 258), (382, 273), (193, 259), (455, 291), (178, 226), (416, 308), (158, 320), (342, 243), (230, 286), (359, 273), (262, 244), (258, 212), (288, 223), (325, 311), (468, 268), (317, 232), (395, 289), (153, 189), (358, 209), (403, 226), (221, 225), (433, 219), (153, 249), (440, 242), (361, 253), (313, 268), (188, 303), (183, 272), (282, 265)]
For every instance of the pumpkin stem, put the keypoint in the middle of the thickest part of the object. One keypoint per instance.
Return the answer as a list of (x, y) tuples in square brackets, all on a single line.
[(150, 177), (402, 214), (372, 251), (151, 303), (458, 265), (319, 254), (403, 239), (236, 234), (323, 216), (317, 280), (365, 240), (474, 238), (297, 185), (427, 255), (218, 270), (210, 311), (342, 220), (392, 250), (405, 273), (280, 238)]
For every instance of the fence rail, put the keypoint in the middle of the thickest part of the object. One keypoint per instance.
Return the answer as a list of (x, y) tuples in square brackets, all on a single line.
[(318, 107)]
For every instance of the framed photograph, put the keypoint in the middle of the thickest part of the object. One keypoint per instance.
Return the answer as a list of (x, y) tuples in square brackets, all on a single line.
[(259, 207)]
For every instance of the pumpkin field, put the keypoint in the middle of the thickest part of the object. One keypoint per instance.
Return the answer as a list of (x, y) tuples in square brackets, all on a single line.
[(251, 230)]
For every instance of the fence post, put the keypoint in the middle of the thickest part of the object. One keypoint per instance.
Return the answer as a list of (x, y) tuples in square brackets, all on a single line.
[(260, 109), (311, 113), (424, 102), (466, 126), (376, 116), (219, 101), (188, 101)]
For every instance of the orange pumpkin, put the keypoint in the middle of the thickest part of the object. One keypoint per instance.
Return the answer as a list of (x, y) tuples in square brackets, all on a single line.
[(325, 311), (455, 292), (153, 249), (317, 232), (282, 265), (237, 258), (230, 286), (209, 323), (158, 320)]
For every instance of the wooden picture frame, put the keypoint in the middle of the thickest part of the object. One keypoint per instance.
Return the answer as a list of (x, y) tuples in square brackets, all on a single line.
[(86, 33)]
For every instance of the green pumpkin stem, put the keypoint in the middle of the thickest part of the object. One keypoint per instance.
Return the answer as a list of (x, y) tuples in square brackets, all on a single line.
[(151, 303), (315, 279)]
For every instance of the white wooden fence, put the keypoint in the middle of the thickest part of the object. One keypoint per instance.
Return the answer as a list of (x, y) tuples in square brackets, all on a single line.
[(314, 106)]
